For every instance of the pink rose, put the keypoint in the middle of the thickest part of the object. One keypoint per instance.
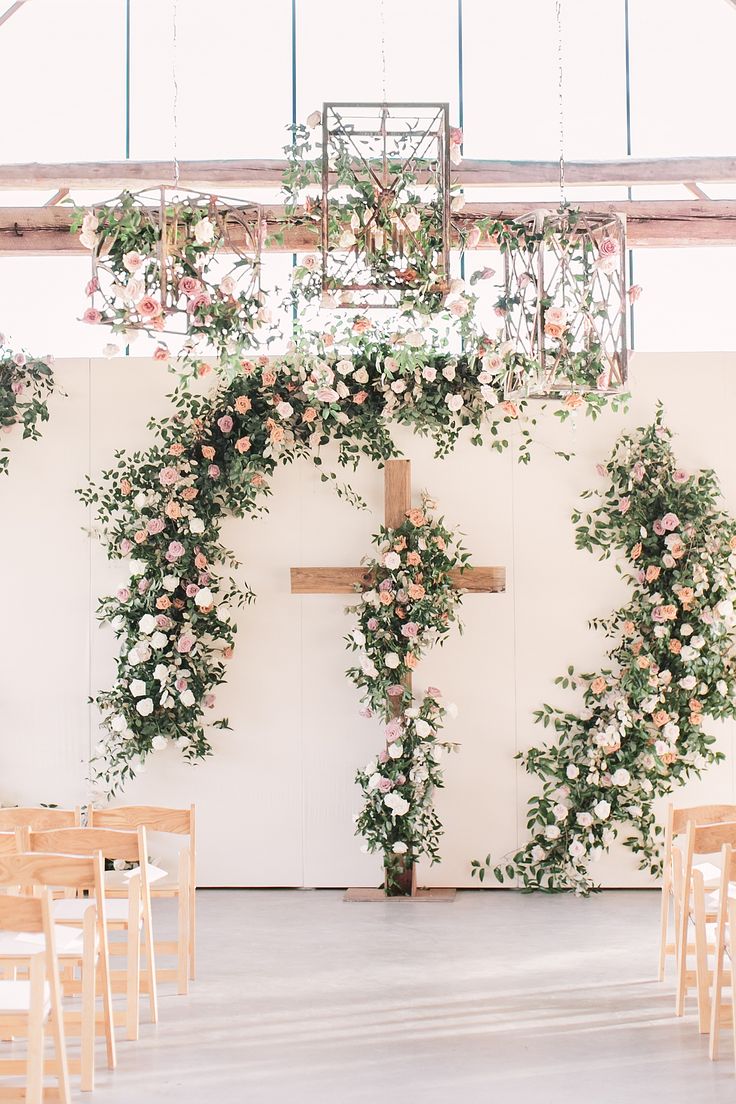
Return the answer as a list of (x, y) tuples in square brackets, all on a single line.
[(185, 643), (123, 594), (181, 684), (410, 629), (658, 527), (17, 387), (148, 307), (609, 247), (213, 471), (473, 238), (394, 729), (634, 292), (176, 550), (623, 505), (162, 621), (638, 471), (327, 394), (143, 585), (161, 353), (456, 136), (92, 315), (680, 476), (189, 286), (155, 525), (125, 546), (365, 712), (372, 624), (168, 476), (225, 423), (433, 692), (93, 285), (383, 756), (385, 785), (670, 522), (395, 690), (191, 590), (197, 301), (658, 614), (132, 261)]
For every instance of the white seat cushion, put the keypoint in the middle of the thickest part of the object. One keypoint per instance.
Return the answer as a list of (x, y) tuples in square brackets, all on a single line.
[(15, 996), (68, 941), (120, 879), (71, 909)]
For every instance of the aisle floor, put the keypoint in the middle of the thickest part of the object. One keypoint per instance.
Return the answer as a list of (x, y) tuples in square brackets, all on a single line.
[(497, 997)]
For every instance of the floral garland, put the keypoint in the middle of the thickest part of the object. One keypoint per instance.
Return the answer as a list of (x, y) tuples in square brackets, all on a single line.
[(410, 606), (672, 664), (26, 384)]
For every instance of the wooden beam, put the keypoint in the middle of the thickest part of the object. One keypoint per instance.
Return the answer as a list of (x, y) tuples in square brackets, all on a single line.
[(222, 175), (694, 188), (344, 580), (59, 194), (11, 11), (39, 231)]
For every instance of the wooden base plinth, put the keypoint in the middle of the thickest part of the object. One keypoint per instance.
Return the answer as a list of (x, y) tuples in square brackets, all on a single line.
[(423, 896)]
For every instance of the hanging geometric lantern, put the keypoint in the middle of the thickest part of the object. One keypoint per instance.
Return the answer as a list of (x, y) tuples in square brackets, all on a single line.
[(385, 203), (156, 266), (564, 303)]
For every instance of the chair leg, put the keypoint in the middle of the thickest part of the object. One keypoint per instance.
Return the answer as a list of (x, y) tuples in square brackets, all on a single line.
[(133, 974), (34, 1068), (733, 1006), (87, 1079), (663, 927), (57, 1032), (150, 960), (682, 926), (103, 971), (192, 932), (701, 968), (715, 1007), (183, 926)]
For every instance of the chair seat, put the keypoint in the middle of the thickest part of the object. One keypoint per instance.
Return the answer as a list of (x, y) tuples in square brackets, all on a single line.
[(15, 996), (120, 879), (69, 943), (71, 909)]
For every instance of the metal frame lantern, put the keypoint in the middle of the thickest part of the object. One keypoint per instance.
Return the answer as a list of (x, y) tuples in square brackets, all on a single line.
[(565, 303), (167, 219), (385, 202)]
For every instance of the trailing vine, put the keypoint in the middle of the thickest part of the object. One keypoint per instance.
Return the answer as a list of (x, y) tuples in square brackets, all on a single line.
[(26, 384)]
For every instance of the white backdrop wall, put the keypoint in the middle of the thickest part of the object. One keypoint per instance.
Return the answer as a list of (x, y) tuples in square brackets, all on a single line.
[(280, 787)]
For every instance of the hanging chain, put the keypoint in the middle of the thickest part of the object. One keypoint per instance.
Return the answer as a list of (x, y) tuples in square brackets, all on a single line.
[(561, 99), (382, 26), (175, 82)]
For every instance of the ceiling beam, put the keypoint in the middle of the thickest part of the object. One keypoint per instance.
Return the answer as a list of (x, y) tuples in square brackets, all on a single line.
[(116, 175), (42, 231), (11, 11)]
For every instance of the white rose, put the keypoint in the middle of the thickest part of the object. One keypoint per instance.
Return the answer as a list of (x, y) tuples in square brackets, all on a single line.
[(449, 372), (284, 410), (399, 848), (144, 707), (203, 597), (346, 239), (538, 853), (489, 396), (368, 667), (572, 771), (161, 672), (396, 803), (314, 119), (204, 231), (395, 751), (398, 386), (392, 661), (415, 339), (584, 819), (621, 777), (171, 582), (671, 731), (196, 525), (412, 221), (359, 637), (117, 723), (159, 743), (159, 639), (576, 849), (361, 376), (454, 402), (422, 729), (373, 781), (147, 624), (343, 367), (552, 832), (186, 697), (602, 810), (689, 682), (560, 812), (429, 373), (392, 561), (133, 657), (137, 688), (88, 239), (686, 630), (721, 687), (140, 501)]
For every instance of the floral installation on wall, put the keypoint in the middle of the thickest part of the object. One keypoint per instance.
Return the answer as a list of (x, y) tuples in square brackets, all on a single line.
[(156, 268), (672, 665), (410, 606), (26, 384)]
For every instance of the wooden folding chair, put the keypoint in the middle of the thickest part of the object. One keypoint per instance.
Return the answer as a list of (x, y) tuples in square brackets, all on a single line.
[(27, 1006), (180, 822), (693, 910), (39, 818), (721, 940), (85, 947), (675, 825), (129, 915)]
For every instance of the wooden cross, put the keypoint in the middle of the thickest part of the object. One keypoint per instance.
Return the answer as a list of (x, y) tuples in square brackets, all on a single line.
[(345, 580)]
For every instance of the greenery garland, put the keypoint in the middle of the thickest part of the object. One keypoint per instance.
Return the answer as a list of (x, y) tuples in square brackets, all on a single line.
[(672, 665), (410, 605), (26, 384)]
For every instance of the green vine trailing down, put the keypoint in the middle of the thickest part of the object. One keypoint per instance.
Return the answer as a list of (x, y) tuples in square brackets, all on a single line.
[(26, 384), (672, 665), (410, 605)]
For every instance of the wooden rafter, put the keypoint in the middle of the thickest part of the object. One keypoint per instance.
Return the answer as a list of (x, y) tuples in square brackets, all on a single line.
[(5, 16), (655, 223), (117, 175)]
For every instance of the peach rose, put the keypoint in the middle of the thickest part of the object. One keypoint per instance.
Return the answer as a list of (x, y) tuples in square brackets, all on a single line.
[(573, 400), (242, 444), (269, 378), (172, 509), (360, 398), (161, 353), (552, 330), (653, 572), (660, 718), (636, 551), (416, 517), (140, 536), (163, 602), (208, 452), (643, 662), (413, 559), (411, 661), (362, 325), (675, 646), (126, 487), (415, 590), (628, 628), (385, 597), (243, 404), (309, 414), (149, 307), (176, 449), (696, 719), (257, 480), (189, 494), (200, 561), (598, 685), (510, 409)]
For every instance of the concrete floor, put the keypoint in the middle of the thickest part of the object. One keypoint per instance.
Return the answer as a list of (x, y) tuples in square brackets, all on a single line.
[(497, 997)]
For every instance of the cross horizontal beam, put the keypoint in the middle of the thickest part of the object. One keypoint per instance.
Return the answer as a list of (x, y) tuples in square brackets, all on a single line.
[(345, 580), (40, 231), (267, 173)]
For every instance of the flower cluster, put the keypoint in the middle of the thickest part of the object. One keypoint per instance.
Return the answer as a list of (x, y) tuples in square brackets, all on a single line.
[(672, 665), (155, 269), (410, 604), (26, 384)]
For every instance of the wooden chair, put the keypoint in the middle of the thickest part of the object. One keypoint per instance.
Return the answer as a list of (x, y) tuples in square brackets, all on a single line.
[(85, 947), (676, 824), (38, 818), (129, 915), (722, 943), (180, 822), (705, 839), (26, 1006)]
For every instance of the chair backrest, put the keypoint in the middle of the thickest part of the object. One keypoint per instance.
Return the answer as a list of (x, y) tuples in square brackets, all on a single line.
[(9, 842), (39, 819), (700, 814), (23, 914), (155, 818), (113, 843), (52, 870), (705, 839)]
